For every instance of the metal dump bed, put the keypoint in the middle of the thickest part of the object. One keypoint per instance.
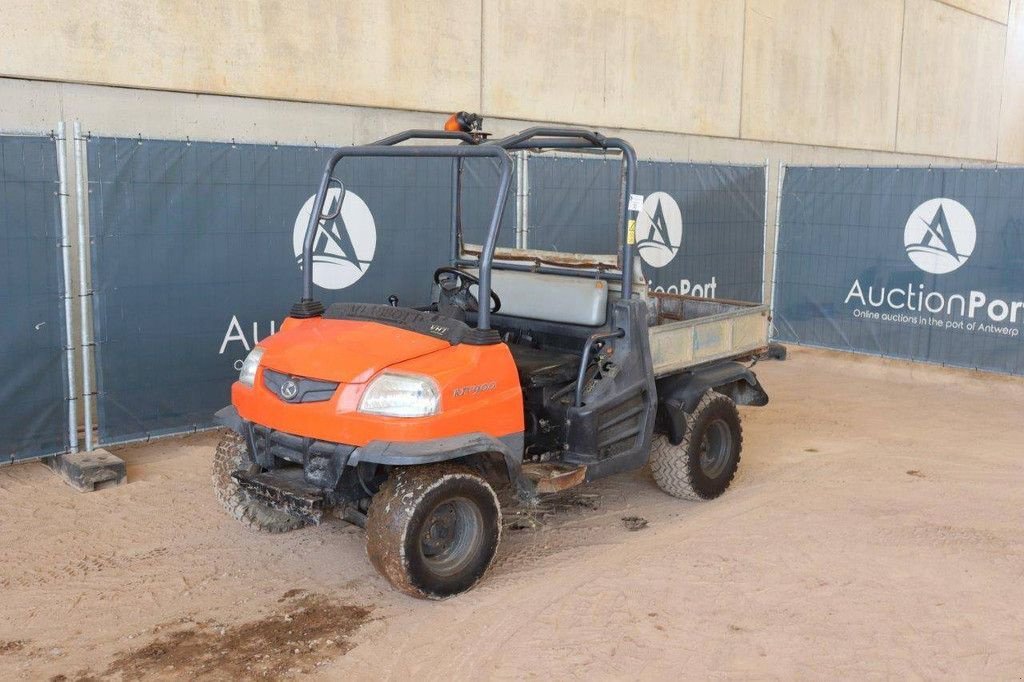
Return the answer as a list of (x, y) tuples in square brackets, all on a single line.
[(687, 331)]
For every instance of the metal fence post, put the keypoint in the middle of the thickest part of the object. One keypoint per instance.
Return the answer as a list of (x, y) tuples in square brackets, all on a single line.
[(775, 248), (764, 237), (522, 159), (84, 291), (65, 257)]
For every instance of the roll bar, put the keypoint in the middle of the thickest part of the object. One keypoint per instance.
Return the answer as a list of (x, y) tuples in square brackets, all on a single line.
[(425, 135), (476, 146), (308, 307), (594, 138), (577, 138)]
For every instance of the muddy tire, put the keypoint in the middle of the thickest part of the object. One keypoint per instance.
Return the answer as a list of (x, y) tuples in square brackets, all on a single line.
[(703, 465), (232, 454), (432, 531)]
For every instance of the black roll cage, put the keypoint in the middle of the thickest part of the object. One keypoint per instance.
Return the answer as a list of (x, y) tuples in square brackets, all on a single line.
[(476, 146)]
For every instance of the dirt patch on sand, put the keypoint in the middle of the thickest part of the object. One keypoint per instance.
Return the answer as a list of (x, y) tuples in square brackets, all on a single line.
[(311, 630), (11, 647), (634, 523), (554, 508)]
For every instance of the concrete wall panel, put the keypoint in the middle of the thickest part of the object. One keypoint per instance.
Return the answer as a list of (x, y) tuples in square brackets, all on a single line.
[(1011, 128), (814, 72), (390, 53), (990, 9), (951, 82), (822, 71), (657, 65)]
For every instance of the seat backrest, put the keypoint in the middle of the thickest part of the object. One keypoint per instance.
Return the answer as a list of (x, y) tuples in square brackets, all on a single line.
[(552, 298)]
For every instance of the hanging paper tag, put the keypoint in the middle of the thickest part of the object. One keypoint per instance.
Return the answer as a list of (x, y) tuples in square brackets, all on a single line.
[(636, 202)]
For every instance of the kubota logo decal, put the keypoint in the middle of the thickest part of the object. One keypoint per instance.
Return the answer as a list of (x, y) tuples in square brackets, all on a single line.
[(343, 248), (289, 390), (940, 236), (659, 229)]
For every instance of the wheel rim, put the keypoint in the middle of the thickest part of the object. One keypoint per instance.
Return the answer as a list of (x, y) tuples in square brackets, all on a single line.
[(715, 448), (452, 536)]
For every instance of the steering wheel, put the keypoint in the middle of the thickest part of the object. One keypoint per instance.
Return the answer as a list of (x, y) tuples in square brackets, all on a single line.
[(456, 288)]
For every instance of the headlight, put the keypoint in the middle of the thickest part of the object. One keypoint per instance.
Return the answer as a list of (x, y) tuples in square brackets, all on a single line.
[(401, 395), (247, 376)]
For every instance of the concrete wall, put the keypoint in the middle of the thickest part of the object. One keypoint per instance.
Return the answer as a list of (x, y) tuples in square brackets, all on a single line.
[(904, 76)]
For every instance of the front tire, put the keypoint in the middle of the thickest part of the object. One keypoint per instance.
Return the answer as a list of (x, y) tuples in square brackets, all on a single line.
[(232, 455), (432, 531), (703, 465)]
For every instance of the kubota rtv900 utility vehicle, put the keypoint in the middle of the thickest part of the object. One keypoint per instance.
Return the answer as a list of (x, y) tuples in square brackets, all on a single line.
[(538, 371)]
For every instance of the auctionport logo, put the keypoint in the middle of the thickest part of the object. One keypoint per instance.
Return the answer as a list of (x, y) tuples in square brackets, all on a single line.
[(343, 247), (659, 229), (659, 236), (940, 235)]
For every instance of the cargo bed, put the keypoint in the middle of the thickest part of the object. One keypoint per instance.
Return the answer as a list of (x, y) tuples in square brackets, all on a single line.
[(686, 331)]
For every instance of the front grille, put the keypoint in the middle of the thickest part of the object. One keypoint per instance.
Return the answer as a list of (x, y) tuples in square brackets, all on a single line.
[(298, 389), (291, 447)]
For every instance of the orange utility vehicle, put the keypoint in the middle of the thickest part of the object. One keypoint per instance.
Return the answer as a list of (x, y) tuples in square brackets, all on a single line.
[(405, 421)]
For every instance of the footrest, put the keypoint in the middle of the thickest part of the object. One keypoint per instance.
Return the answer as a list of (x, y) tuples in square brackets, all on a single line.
[(286, 490), (552, 478), (83, 471)]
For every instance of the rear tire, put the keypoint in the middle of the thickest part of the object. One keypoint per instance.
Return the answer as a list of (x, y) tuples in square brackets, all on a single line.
[(233, 454), (702, 466), (432, 531)]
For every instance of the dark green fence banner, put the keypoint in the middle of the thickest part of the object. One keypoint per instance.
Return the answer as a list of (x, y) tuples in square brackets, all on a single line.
[(918, 263), (195, 250), (33, 393), (700, 231)]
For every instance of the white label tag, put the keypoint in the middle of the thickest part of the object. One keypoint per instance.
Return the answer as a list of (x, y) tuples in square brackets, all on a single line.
[(636, 202)]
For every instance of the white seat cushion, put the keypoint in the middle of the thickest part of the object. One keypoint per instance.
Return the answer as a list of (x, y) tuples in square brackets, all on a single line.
[(552, 298)]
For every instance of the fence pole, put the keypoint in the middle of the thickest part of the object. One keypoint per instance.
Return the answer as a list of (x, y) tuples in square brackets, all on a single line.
[(83, 288), (522, 199), (519, 199), (65, 258), (764, 235), (775, 248)]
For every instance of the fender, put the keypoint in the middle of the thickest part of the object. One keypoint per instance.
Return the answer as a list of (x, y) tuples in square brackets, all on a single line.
[(679, 394), (228, 418), (394, 453)]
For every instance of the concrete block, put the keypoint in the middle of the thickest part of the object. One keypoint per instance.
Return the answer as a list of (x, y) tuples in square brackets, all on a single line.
[(83, 471)]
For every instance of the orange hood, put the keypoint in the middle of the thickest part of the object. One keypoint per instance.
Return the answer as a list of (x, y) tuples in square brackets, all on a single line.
[(346, 351)]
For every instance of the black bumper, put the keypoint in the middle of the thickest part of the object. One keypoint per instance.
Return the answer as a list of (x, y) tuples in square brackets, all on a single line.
[(285, 489), (324, 464)]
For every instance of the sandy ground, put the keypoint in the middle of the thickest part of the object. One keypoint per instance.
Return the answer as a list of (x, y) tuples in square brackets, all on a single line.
[(874, 530)]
